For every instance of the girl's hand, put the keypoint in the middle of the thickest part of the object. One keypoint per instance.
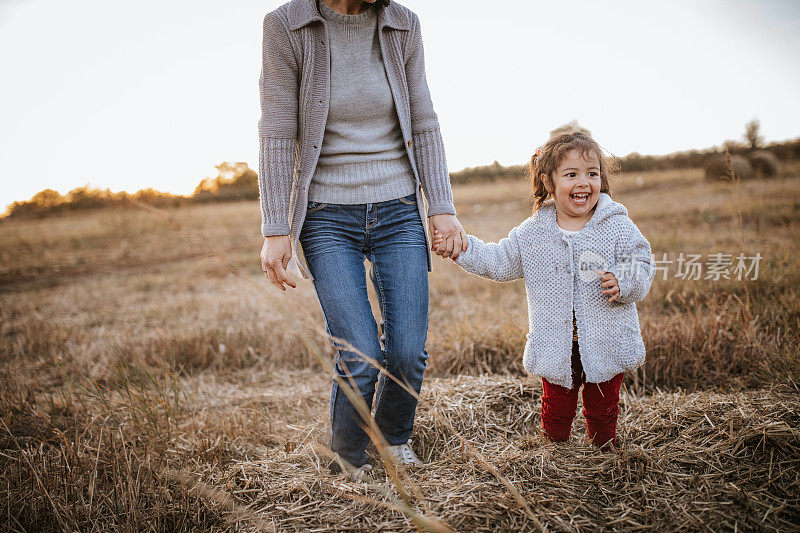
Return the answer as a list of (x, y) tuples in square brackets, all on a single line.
[(439, 240), (608, 282)]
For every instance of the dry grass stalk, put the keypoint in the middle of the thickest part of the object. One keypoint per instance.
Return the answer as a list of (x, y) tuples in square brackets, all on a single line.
[(226, 505)]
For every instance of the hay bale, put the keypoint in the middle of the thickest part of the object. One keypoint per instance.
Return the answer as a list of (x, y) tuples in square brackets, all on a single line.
[(717, 168), (765, 164)]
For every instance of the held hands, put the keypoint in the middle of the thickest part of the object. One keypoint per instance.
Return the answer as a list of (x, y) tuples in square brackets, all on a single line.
[(275, 255), (608, 282), (277, 250), (449, 238)]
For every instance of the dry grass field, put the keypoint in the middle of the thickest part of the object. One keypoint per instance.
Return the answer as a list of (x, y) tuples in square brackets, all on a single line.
[(152, 380)]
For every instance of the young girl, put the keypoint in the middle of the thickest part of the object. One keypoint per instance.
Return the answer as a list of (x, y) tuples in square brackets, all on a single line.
[(585, 264)]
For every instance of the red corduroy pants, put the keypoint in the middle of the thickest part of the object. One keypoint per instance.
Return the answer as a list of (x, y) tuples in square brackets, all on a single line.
[(600, 406)]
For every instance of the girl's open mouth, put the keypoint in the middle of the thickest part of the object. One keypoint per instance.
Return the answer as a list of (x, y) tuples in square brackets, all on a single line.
[(579, 198)]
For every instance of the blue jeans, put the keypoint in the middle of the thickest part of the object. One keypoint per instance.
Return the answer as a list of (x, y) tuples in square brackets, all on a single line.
[(335, 239)]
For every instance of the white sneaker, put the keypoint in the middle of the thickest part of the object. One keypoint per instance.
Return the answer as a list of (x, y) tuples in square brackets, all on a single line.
[(405, 455)]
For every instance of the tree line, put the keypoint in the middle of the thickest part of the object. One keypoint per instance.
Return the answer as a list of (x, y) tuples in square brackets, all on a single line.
[(237, 181)]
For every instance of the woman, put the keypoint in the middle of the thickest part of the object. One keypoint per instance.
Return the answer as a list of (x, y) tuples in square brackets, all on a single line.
[(348, 139)]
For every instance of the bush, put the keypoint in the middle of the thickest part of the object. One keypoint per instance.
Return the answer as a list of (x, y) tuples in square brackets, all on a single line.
[(765, 164), (717, 168)]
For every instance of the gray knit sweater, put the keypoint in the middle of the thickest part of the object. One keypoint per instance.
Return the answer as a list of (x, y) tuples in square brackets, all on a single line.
[(363, 158), (295, 94), (559, 276)]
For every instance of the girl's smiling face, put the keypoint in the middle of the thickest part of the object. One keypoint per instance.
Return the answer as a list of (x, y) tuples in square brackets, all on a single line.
[(575, 186)]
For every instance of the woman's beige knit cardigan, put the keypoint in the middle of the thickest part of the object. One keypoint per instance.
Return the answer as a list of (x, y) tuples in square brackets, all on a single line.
[(295, 85)]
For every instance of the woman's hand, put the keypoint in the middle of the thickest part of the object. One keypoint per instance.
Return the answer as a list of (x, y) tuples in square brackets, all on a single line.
[(275, 255), (608, 282), (454, 237)]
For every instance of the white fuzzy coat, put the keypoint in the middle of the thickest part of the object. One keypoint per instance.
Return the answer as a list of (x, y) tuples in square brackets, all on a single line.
[(559, 274)]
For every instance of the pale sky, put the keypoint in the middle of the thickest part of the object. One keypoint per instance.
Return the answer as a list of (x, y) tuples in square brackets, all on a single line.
[(129, 95)]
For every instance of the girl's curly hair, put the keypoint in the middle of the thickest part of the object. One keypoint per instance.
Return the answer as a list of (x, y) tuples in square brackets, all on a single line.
[(546, 160)]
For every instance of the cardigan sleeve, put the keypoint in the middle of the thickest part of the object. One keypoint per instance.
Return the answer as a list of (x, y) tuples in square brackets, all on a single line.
[(277, 127), (632, 266), (426, 140), (498, 261)]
